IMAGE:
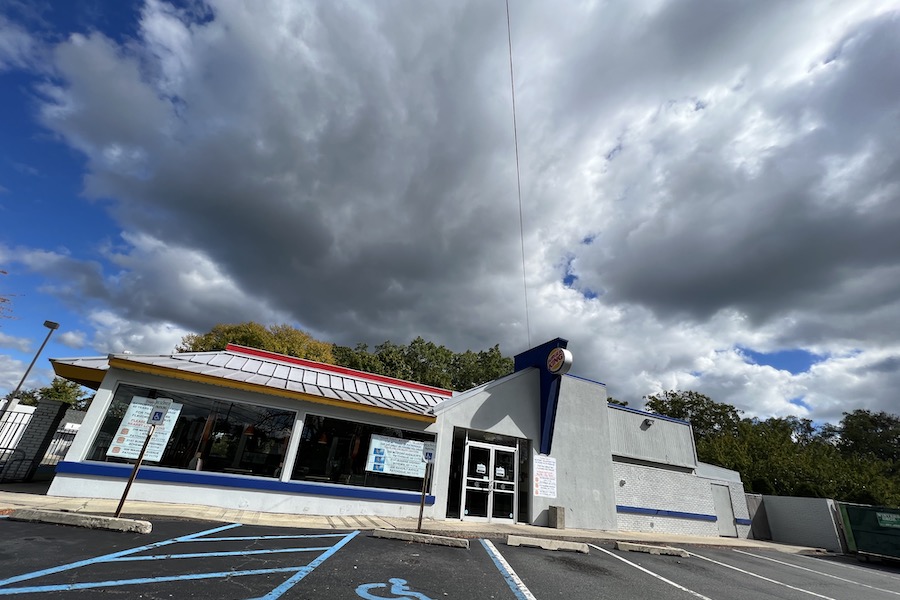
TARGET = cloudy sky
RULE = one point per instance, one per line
(710, 190)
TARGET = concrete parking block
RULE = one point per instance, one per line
(421, 538)
(81, 520)
(649, 549)
(518, 540)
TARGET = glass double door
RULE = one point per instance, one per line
(489, 489)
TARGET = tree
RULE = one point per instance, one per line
(706, 416)
(611, 400)
(283, 339)
(865, 433)
(26, 397)
(421, 361)
(67, 392)
(427, 363)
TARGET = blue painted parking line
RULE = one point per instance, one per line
(91, 561)
(214, 554)
(515, 583)
(298, 571)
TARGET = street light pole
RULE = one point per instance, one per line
(14, 399)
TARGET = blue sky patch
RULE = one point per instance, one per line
(799, 401)
(794, 361)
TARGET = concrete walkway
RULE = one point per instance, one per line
(136, 509)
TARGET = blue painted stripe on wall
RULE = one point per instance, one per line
(664, 513)
(743, 521)
(229, 481)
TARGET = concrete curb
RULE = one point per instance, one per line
(421, 538)
(658, 550)
(81, 520)
(531, 542)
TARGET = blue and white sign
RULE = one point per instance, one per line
(395, 456)
(129, 437)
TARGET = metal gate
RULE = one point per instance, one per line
(12, 426)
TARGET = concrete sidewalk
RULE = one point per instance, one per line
(137, 509)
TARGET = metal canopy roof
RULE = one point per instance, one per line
(267, 372)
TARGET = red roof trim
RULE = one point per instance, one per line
(336, 369)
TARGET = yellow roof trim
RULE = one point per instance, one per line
(86, 376)
(128, 365)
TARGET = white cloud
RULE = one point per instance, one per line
(350, 169)
(15, 343)
(17, 47)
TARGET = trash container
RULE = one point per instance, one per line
(557, 517)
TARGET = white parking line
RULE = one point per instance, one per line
(649, 572)
(787, 564)
(854, 567)
(758, 576)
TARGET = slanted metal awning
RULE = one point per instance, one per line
(264, 372)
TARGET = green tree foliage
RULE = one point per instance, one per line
(67, 392)
(707, 417)
(26, 397)
(283, 339)
(865, 433)
(855, 461)
(421, 361)
(427, 363)
(611, 400)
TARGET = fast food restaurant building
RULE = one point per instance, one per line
(250, 429)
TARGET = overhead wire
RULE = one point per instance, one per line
(512, 86)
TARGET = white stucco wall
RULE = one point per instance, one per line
(581, 447)
(511, 406)
(503, 406)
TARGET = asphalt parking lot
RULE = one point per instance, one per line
(188, 559)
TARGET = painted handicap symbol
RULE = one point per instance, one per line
(399, 589)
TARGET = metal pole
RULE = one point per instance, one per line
(424, 489)
(137, 465)
(14, 399)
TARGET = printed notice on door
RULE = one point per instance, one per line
(129, 437)
(393, 456)
(544, 477)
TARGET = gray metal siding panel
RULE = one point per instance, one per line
(664, 441)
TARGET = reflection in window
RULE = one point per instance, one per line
(209, 435)
(336, 451)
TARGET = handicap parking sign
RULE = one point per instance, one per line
(158, 411)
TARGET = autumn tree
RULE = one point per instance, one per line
(283, 339)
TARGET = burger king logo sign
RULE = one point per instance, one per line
(559, 361)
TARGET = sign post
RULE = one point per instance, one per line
(157, 416)
(428, 459)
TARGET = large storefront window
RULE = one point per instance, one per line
(333, 450)
(207, 434)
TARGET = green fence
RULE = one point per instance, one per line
(872, 530)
